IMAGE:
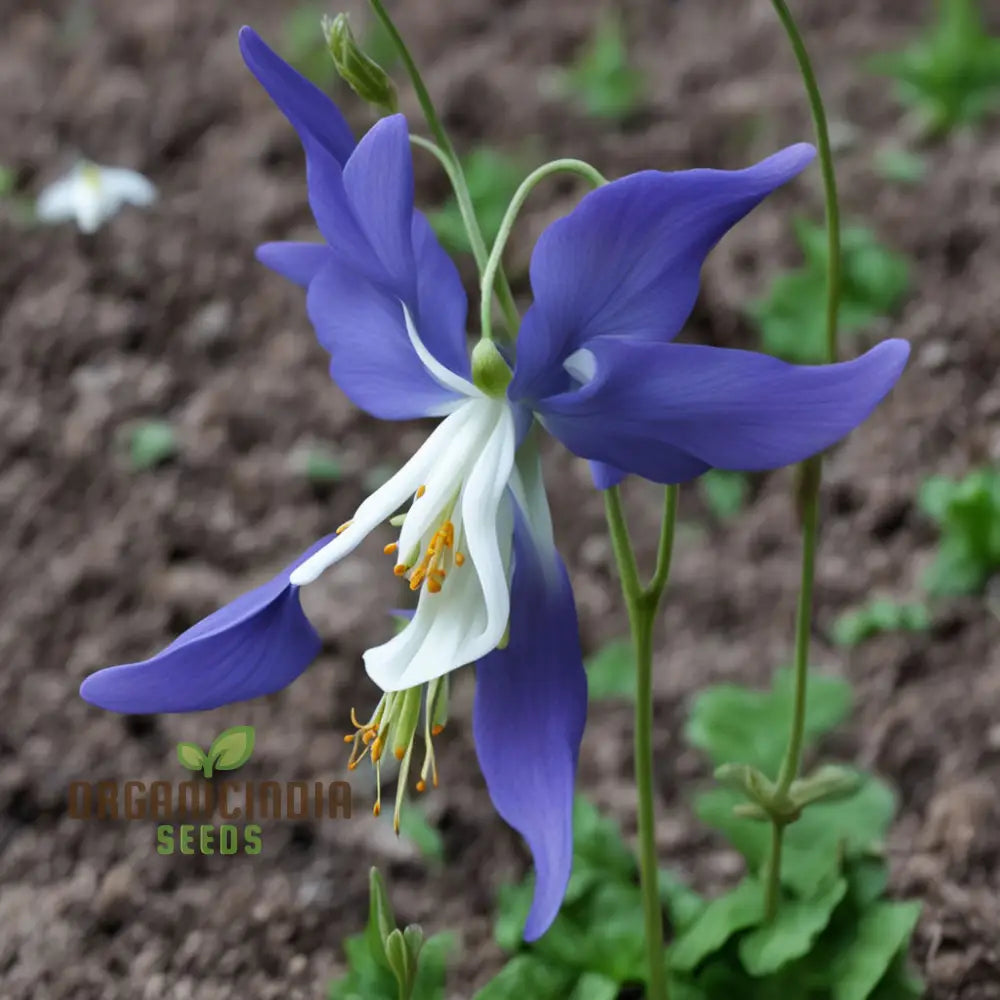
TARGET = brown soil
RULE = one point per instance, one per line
(166, 314)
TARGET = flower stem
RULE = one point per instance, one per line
(810, 472)
(457, 175)
(642, 604)
(494, 263)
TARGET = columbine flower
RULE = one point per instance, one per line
(613, 283)
(91, 194)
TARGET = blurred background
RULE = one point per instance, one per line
(170, 438)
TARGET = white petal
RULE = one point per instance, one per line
(122, 186)
(444, 375)
(386, 498)
(582, 365)
(57, 202)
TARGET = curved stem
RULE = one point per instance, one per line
(457, 176)
(493, 264)
(810, 472)
(642, 604)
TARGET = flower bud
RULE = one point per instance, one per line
(361, 73)
(490, 372)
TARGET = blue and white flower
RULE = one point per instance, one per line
(595, 365)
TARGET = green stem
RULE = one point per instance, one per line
(810, 472)
(494, 263)
(642, 604)
(502, 287)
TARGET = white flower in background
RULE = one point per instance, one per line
(91, 194)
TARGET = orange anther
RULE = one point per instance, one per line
(399, 569)
(400, 753)
(437, 729)
(459, 558)
(367, 736)
(434, 585)
(377, 808)
(421, 785)
(349, 739)
(390, 548)
(345, 526)
(421, 490)
(417, 578)
(377, 750)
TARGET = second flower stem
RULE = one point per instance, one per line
(642, 604)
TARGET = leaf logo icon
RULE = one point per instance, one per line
(229, 750)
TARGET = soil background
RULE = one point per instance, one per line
(166, 314)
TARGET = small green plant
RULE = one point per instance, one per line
(879, 615)
(724, 492)
(151, 443)
(950, 76)
(229, 750)
(385, 963)
(602, 79)
(493, 177)
(609, 673)
(968, 514)
(900, 166)
(873, 283)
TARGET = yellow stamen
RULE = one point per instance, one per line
(437, 730)
(377, 808)
(421, 490)
(433, 586)
(399, 569)
(349, 738)
(345, 526)
(390, 548)
(400, 753)
(421, 785)
(459, 558)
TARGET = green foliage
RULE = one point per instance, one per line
(790, 317)
(304, 44)
(834, 937)
(901, 166)
(8, 181)
(417, 828)
(950, 76)
(879, 615)
(611, 672)
(724, 492)
(384, 963)
(493, 178)
(151, 443)
(734, 723)
(968, 514)
(601, 79)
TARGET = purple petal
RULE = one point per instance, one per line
(627, 260)
(308, 109)
(530, 710)
(441, 301)
(605, 476)
(361, 324)
(255, 645)
(378, 180)
(298, 262)
(669, 411)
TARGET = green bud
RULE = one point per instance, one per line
(361, 73)
(825, 783)
(490, 372)
(403, 966)
(380, 912)
(746, 779)
(413, 938)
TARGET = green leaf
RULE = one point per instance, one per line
(8, 181)
(901, 166)
(734, 724)
(791, 934)
(493, 177)
(725, 492)
(816, 844)
(529, 976)
(151, 443)
(191, 756)
(232, 748)
(968, 514)
(611, 671)
(683, 905)
(414, 826)
(718, 922)
(879, 615)
(950, 75)
(882, 933)
(432, 967)
(873, 283)
(594, 986)
(602, 79)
